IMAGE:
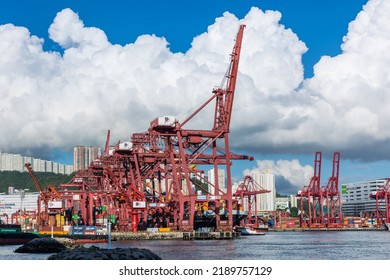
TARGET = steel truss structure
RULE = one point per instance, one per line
(382, 199)
(322, 199)
(155, 179)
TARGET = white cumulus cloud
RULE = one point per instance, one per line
(55, 100)
(291, 176)
(69, 32)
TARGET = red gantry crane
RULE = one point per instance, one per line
(313, 195)
(382, 199)
(151, 179)
(50, 197)
(319, 198)
(331, 195)
(246, 194)
(188, 147)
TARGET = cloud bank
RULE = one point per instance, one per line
(290, 176)
(52, 100)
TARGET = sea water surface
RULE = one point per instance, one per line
(335, 245)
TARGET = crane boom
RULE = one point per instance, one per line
(46, 194)
(225, 97)
(107, 146)
(34, 178)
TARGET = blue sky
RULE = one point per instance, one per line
(321, 25)
(303, 101)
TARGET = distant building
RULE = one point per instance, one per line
(38, 165)
(68, 169)
(282, 203)
(265, 201)
(355, 197)
(83, 156)
(16, 162)
(221, 180)
(49, 166)
(15, 201)
(78, 158)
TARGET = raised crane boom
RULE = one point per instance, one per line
(34, 178)
(225, 96)
(107, 146)
(48, 194)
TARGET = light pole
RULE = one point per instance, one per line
(22, 196)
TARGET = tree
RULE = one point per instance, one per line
(22, 180)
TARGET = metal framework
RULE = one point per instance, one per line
(313, 194)
(154, 179)
(332, 197)
(382, 198)
(246, 194)
(47, 196)
(318, 197)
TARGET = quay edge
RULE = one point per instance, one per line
(179, 235)
(325, 229)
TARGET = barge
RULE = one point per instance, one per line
(13, 235)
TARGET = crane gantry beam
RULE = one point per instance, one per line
(152, 177)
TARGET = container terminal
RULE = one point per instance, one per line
(153, 186)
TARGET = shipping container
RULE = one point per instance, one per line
(77, 230)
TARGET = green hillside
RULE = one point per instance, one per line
(23, 180)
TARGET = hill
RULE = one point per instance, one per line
(23, 180)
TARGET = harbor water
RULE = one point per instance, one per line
(337, 245)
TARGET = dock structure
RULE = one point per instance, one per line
(209, 235)
(179, 235)
(326, 229)
(154, 179)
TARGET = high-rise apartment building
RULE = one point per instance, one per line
(78, 158)
(83, 156)
(220, 177)
(39, 165)
(16, 162)
(265, 179)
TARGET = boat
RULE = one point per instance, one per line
(261, 228)
(11, 234)
(249, 231)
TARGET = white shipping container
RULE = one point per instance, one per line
(54, 204)
(167, 121)
(139, 204)
(125, 146)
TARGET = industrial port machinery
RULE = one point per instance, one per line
(382, 201)
(324, 207)
(157, 178)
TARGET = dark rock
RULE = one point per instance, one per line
(67, 249)
(47, 245)
(96, 253)
(68, 243)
